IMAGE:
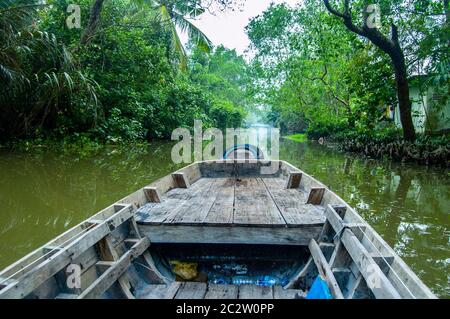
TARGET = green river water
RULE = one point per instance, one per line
(44, 193)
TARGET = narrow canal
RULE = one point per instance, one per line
(42, 194)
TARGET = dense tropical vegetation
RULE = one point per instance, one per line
(129, 78)
(331, 75)
(319, 68)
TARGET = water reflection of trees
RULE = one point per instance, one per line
(407, 204)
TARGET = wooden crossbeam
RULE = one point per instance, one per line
(338, 223)
(109, 254)
(340, 258)
(383, 261)
(364, 262)
(131, 241)
(325, 270)
(327, 230)
(355, 286)
(293, 180)
(334, 219)
(114, 271)
(380, 285)
(315, 195)
(102, 265)
(358, 229)
(152, 272)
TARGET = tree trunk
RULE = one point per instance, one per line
(393, 49)
(404, 103)
(401, 80)
(94, 19)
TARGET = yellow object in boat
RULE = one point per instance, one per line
(185, 270)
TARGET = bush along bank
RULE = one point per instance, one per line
(425, 150)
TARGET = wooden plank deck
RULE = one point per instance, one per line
(232, 210)
(197, 290)
(238, 201)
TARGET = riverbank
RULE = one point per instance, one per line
(297, 137)
(427, 150)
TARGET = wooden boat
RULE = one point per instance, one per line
(218, 229)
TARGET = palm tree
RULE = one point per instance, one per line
(172, 14)
(175, 14)
(15, 16)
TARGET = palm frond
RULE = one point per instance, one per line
(173, 14)
(37, 72)
(194, 33)
(166, 18)
(190, 8)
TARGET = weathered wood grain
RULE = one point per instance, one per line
(109, 253)
(368, 268)
(171, 203)
(291, 203)
(237, 206)
(222, 292)
(159, 291)
(222, 210)
(115, 271)
(281, 293)
(167, 233)
(255, 292)
(253, 204)
(49, 267)
(191, 290)
(181, 180)
(194, 210)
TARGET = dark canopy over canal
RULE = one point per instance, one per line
(43, 194)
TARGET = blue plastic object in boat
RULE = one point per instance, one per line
(319, 290)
